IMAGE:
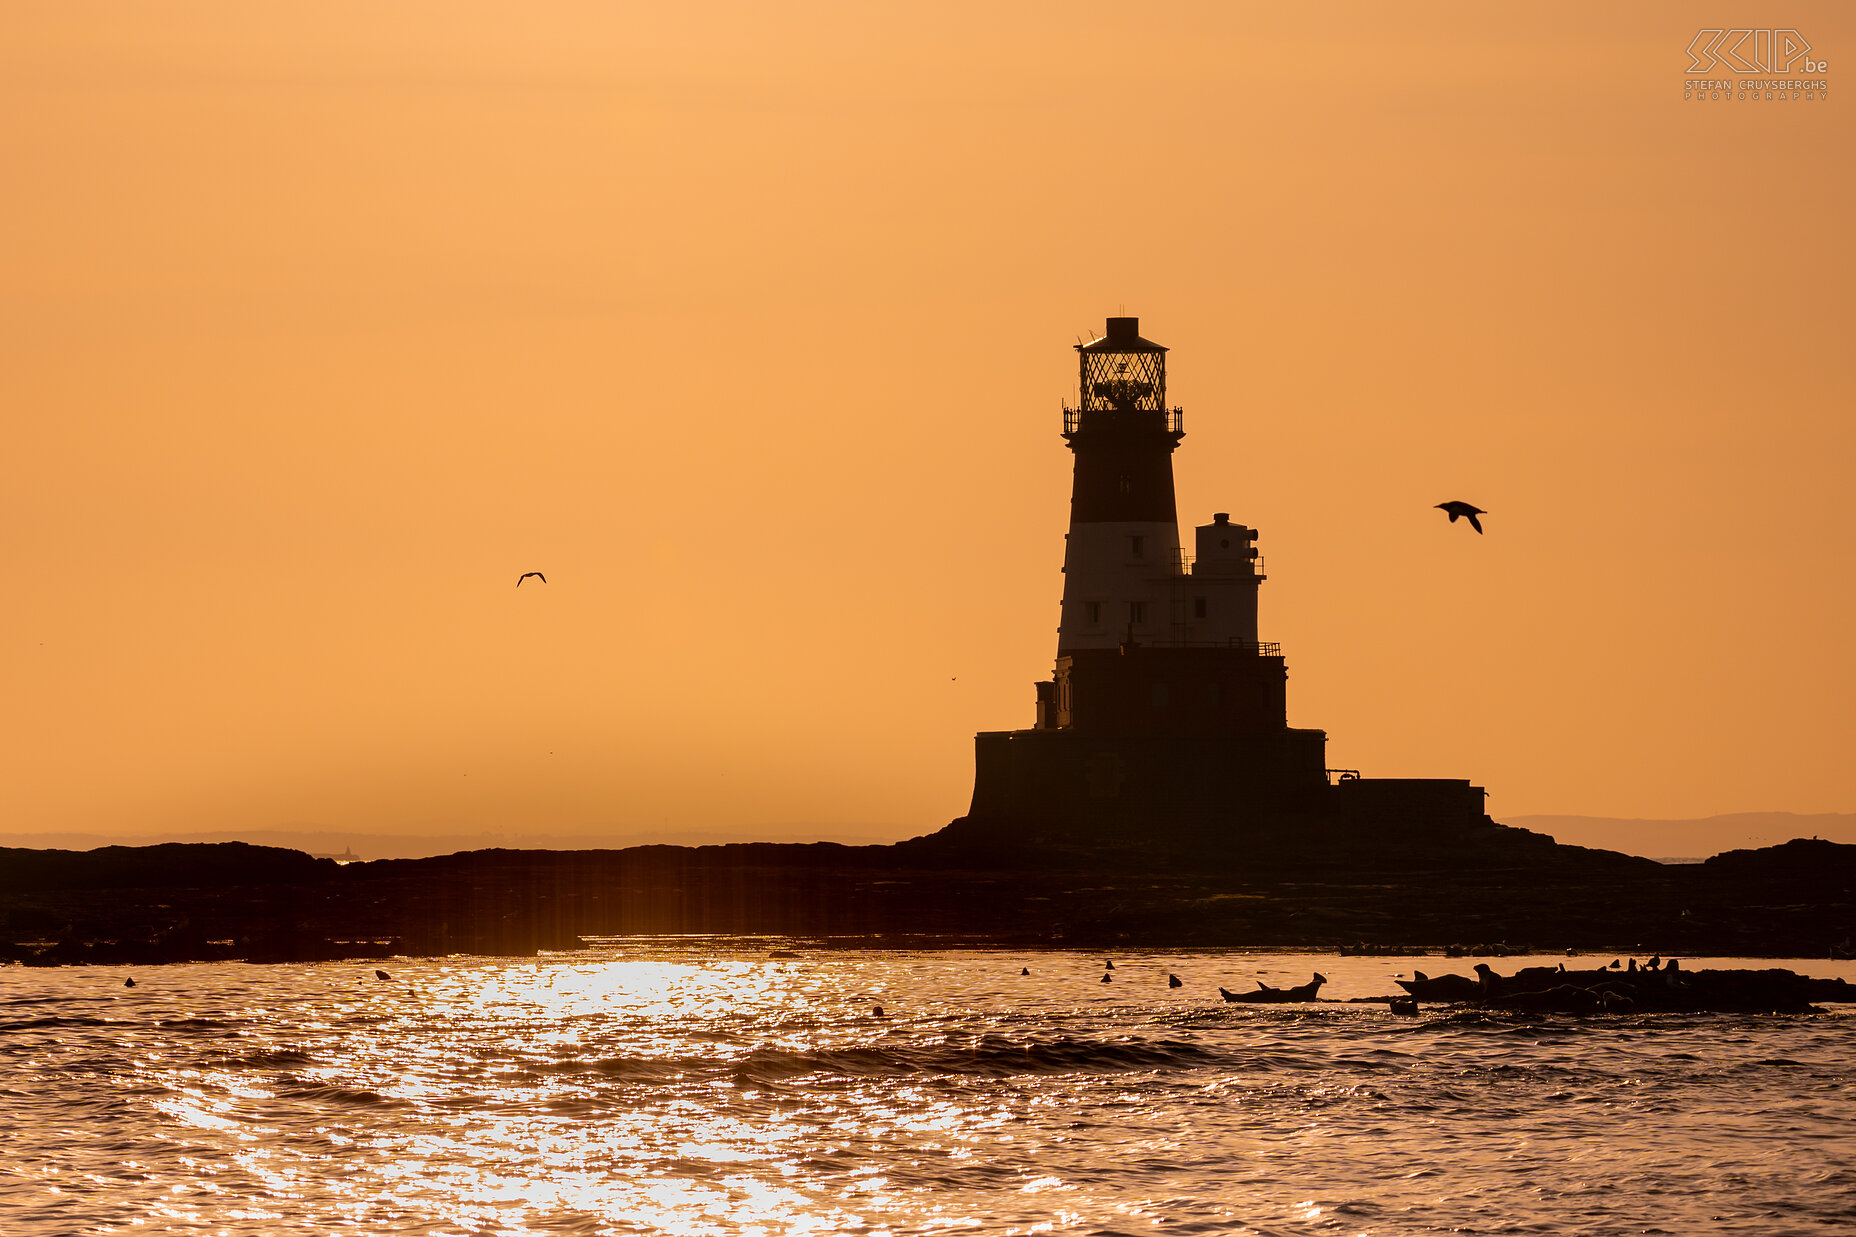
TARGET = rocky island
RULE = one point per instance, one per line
(1503, 890)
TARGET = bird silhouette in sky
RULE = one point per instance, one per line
(1458, 508)
(544, 579)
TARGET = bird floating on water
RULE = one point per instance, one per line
(128, 983)
(544, 579)
(1459, 509)
(1173, 981)
(379, 974)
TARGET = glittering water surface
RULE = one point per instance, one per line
(701, 1087)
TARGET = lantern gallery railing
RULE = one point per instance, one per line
(1173, 419)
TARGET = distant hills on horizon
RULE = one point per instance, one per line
(1653, 839)
(366, 845)
(1697, 838)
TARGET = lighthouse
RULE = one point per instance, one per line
(1165, 717)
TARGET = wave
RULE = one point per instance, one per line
(291, 1087)
(37, 1024)
(990, 1056)
(169, 1024)
(277, 1058)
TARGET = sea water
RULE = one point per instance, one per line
(702, 1086)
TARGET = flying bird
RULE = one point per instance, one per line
(1458, 508)
(544, 579)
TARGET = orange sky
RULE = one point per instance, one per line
(749, 325)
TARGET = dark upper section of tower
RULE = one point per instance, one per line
(1122, 432)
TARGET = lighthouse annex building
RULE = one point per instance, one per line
(1165, 715)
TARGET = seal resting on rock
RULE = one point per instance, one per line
(1266, 995)
(1441, 988)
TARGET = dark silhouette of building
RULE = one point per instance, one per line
(1166, 717)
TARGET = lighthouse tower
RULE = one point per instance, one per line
(1122, 550)
(1126, 580)
(1152, 639)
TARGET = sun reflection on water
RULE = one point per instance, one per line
(576, 1096)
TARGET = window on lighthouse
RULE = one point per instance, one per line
(1137, 612)
(1198, 607)
(1095, 610)
(1139, 544)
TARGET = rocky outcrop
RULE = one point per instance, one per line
(176, 865)
(1663, 988)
